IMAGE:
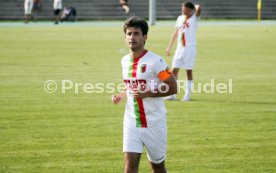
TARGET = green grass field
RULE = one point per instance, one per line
(214, 133)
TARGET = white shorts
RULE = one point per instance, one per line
(153, 138)
(28, 6)
(184, 57)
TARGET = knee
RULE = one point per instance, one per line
(158, 168)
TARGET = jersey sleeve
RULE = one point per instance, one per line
(162, 70)
(178, 22)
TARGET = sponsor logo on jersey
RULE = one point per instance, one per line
(140, 84)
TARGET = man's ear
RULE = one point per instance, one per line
(145, 37)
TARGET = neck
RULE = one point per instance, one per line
(137, 53)
(191, 14)
(188, 16)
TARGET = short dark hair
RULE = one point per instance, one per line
(189, 5)
(137, 23)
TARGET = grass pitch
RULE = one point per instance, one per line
(216, 133)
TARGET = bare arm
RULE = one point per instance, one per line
(198, 10)
(172, 40)
(170, 82)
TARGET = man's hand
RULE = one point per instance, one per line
(198, 10)
(139, 95)
(117, 98)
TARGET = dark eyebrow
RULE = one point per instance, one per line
(133, 32)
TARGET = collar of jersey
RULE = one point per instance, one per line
(140, 56)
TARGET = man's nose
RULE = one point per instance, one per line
(131, 36)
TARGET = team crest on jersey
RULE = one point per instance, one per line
(143, 68)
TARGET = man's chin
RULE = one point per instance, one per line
(133, 48)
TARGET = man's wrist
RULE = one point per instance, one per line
(148, 93)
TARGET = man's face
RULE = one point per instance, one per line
(134, 38)
(186, 11)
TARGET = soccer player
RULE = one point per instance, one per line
(148, 79)
(57, 5)
(184, 57)
(28, 7)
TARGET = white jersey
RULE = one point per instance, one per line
(187, 28)
(144, 72)
(57, 4)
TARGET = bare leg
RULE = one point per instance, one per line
(189, 74)
(158, 168)
(132, 162)
(58, 16)
(57, 19)
(175, 72)
(26, 18)
(33, 18)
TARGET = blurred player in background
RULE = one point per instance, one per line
(37, 5)
(145, 114)
(28, 7)
(184, 57)
(124, 5)
(57, 10)
(68, 14)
